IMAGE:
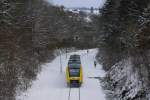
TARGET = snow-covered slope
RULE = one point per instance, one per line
(51, 84)
(124, 82)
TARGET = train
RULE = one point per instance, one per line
(74, 73)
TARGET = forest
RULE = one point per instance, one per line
(124, 36)
(30, 31)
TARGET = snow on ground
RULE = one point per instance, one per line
(51, 84)
(126, 81)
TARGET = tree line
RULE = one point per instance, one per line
(30, 30)
(124, 32)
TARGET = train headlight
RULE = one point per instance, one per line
(74, 78)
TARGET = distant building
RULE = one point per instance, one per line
(91, 10)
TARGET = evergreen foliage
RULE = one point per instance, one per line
(124, 31)
(29, 32)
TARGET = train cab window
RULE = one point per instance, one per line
(74, 61)
(76, 65)
(74, 72)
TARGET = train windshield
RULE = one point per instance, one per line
(74, 72)
(76, 65)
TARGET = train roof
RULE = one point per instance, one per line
(75, 61)
(75, 56)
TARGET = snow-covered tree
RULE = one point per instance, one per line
(124, 31)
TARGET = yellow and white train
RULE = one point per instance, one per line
(74, 74)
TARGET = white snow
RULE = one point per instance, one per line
(88, 19)
(51, 84)
(127, 80)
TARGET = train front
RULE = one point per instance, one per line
(74, 74)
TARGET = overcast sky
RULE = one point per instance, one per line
(79, 3)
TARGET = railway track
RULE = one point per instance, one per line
(74, 94)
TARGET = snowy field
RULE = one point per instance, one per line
(51, 84)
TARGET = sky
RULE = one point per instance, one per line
(79, 3)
